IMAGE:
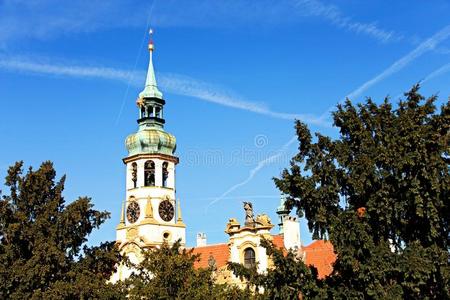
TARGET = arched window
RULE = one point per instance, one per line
(143, 112)
(134, 174)
(249, 257)
(165, 174)
(149, 173)
(157, 112)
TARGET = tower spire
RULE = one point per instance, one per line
(151, 88)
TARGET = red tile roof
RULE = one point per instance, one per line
(220, 253)
(278, 241)
(321, 255)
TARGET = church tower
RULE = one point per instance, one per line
(150, 214)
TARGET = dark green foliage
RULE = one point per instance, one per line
(168, 273)
(289, 279)
(380, 193)
(41, 241)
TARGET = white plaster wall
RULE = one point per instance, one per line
(234, 254)
(171, 178)
(291, 227)
(158, 172)
(262, 259)
(154, 233)
(121, 235)
(240, 241)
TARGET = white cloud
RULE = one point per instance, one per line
(424, 47)
(172, 83)
(44, 19)
(334, 15)
(26, 65)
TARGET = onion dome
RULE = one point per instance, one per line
(151, 141)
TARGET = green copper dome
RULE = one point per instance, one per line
(151, 141)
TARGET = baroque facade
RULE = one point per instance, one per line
(151, 215)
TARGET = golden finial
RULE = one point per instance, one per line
(150, 43)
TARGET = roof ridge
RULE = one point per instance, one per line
(210, 245)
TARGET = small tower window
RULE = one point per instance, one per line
(151, 112)
(134, 174)
(165, 174)
(149, 173)
(157, 112)
(142, 112)
(249, 258)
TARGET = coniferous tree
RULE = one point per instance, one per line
(42, 241)
(168, 272)
(380, 193)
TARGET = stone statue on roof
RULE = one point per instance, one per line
(249, 216)
(212, 262)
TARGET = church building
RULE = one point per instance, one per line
(151, 215)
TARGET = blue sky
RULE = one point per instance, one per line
(234, 74)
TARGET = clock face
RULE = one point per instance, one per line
(133, 212)
(166, 210)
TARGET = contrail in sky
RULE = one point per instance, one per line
(442, 70)
(427, 45)
(424, 47)
(255, 171)
(438, 72)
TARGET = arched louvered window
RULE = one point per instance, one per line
(165, 174)
(149, 173)
(134, 174)
(249, 257)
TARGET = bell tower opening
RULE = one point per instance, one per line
(149, 173)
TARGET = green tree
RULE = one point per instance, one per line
(290, 278)
(380, 193)
(42, 251)
(168, 272)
